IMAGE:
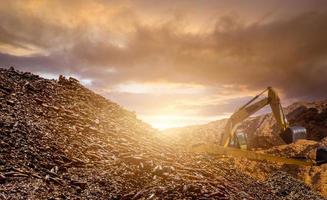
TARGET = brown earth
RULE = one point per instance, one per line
(263, 136)
(59, 140)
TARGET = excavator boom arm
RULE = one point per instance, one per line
(237, 118)
(250, 108)
(277, 109)
(233, 138)
(288, 134)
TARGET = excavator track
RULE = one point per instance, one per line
(234, 152)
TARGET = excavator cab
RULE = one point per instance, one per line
(239, 141)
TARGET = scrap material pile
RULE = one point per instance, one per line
(59, 140)
(263, 137)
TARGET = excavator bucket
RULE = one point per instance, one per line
(291, 134)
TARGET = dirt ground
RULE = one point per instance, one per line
(59, 140)
(262, 133)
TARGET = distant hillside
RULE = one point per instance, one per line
(262, 131)
(197, 133)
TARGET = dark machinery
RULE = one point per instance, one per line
(233, 141)
(232, 137)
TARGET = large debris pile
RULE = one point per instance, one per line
(263, 135)
(59, 140)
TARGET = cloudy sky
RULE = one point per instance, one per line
(173, 62)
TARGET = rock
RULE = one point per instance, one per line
(135, 160)
(11, 102)
(2, 178)
(79, 184)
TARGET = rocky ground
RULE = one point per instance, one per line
(262, 132)
(59, 140)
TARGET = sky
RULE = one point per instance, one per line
(174, 63)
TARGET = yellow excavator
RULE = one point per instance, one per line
(233, 142)
(232, 137)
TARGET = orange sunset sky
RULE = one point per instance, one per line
(174, 63)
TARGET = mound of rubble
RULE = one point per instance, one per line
(59, 140)
(263, 136)
(191, 135)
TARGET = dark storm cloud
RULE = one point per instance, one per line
(289, 53)
(21, 29)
